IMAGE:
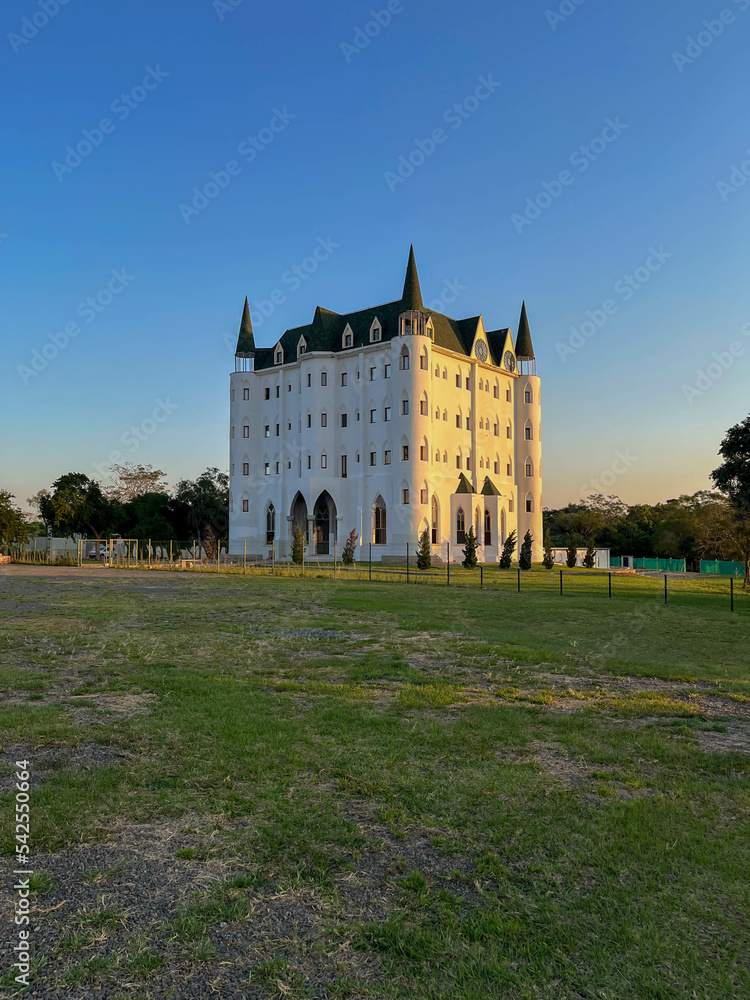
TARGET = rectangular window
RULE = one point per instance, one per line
(246, 394)
(309, 380)
(309, 420)
(376, 333)
(267, 431)
(373, 458)
(458, 461)
(343, 467)
(245, 468)
(279, 357)
(277, 468)
(387, 371)
(344, 419)
(528, 434)
(458, 381)
(324, 461)
(309, 461)
(289, 387)
(277, 430)
(509, 431)
(423, 496)
(468, 384)
(423, 407)
(245, 506)
(267, 393)
(507, 395)
(528, 468)
(468, 464)
(405, 453)
(404, 496)
(508, 469)
(423, 362)
(510, 504)
(372, 374)
(468, 423)
(387, 413)
(323, 419)
(246, 432)
(422, 453)
(497, 468)
(496, 392)
(458, 421)
(324, 378)
(527, 396)
(404, 407)
(277, 391)
(404, 363)
(343, 378)
(528, 506)
(497, 430)
(348, 340)
(289, 425)
(387, 458)
(267, 469)
(358, 374)
(373, 416)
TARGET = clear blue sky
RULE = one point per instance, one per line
(230, 72)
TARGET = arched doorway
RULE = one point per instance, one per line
(324, 516)
(435, 516)
(299, 516)
(379, 522)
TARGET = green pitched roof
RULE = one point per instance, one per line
(246, 339)
(325, 333)
(412, 295)
(524, 347)
(464, 486)
(489, 489)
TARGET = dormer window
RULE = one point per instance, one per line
(375, 331)
(347, 340)
(301, 346)
(279, 356)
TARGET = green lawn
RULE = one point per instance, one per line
(275, 787)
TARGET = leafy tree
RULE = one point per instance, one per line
(130, 481)
(725, 534)
(350, 549)
(571, 559)
(732, 477)
(509, 550)
(549, 560)
(524, 559)
(77, 506)
(37, 503)
(14, 528)
(589, 560)
(298, 546)
(150, 515)
(470, 552)
(202, 509)
(424, 552)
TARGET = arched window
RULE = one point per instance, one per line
(528, 433)
(528, 395)
(502, 527)
(477, 523)
(437, 371)
(529, 504)
(434, 520)
(487, 527)
(445, 414)
(460, 526)
(379, 522)
(424, 406)
(445, 373)
(529, 468)
(403, 361)
(270, 524)
(423, 361)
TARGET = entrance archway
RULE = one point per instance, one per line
(299, 516)
(324, 516)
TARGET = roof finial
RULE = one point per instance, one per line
(246, 339)
(524, 347)
(412, 297)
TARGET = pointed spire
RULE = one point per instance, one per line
(412, 297)
(524, 347)
(246, 339)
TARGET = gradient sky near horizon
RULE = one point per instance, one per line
(344, 114)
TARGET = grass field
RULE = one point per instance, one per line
(275, 787)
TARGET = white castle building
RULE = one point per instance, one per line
(386, 421)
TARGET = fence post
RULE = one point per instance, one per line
(149, 553)
(170, 553)
(35, 549)
(665, 588)
(519, 579)
(370, 562)
(448, 563)
(610, 584)
(407, 562)
(335, 554)
(481, 577)
(273, 557)
(561, 583)
(244, 559)
(731, 592)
